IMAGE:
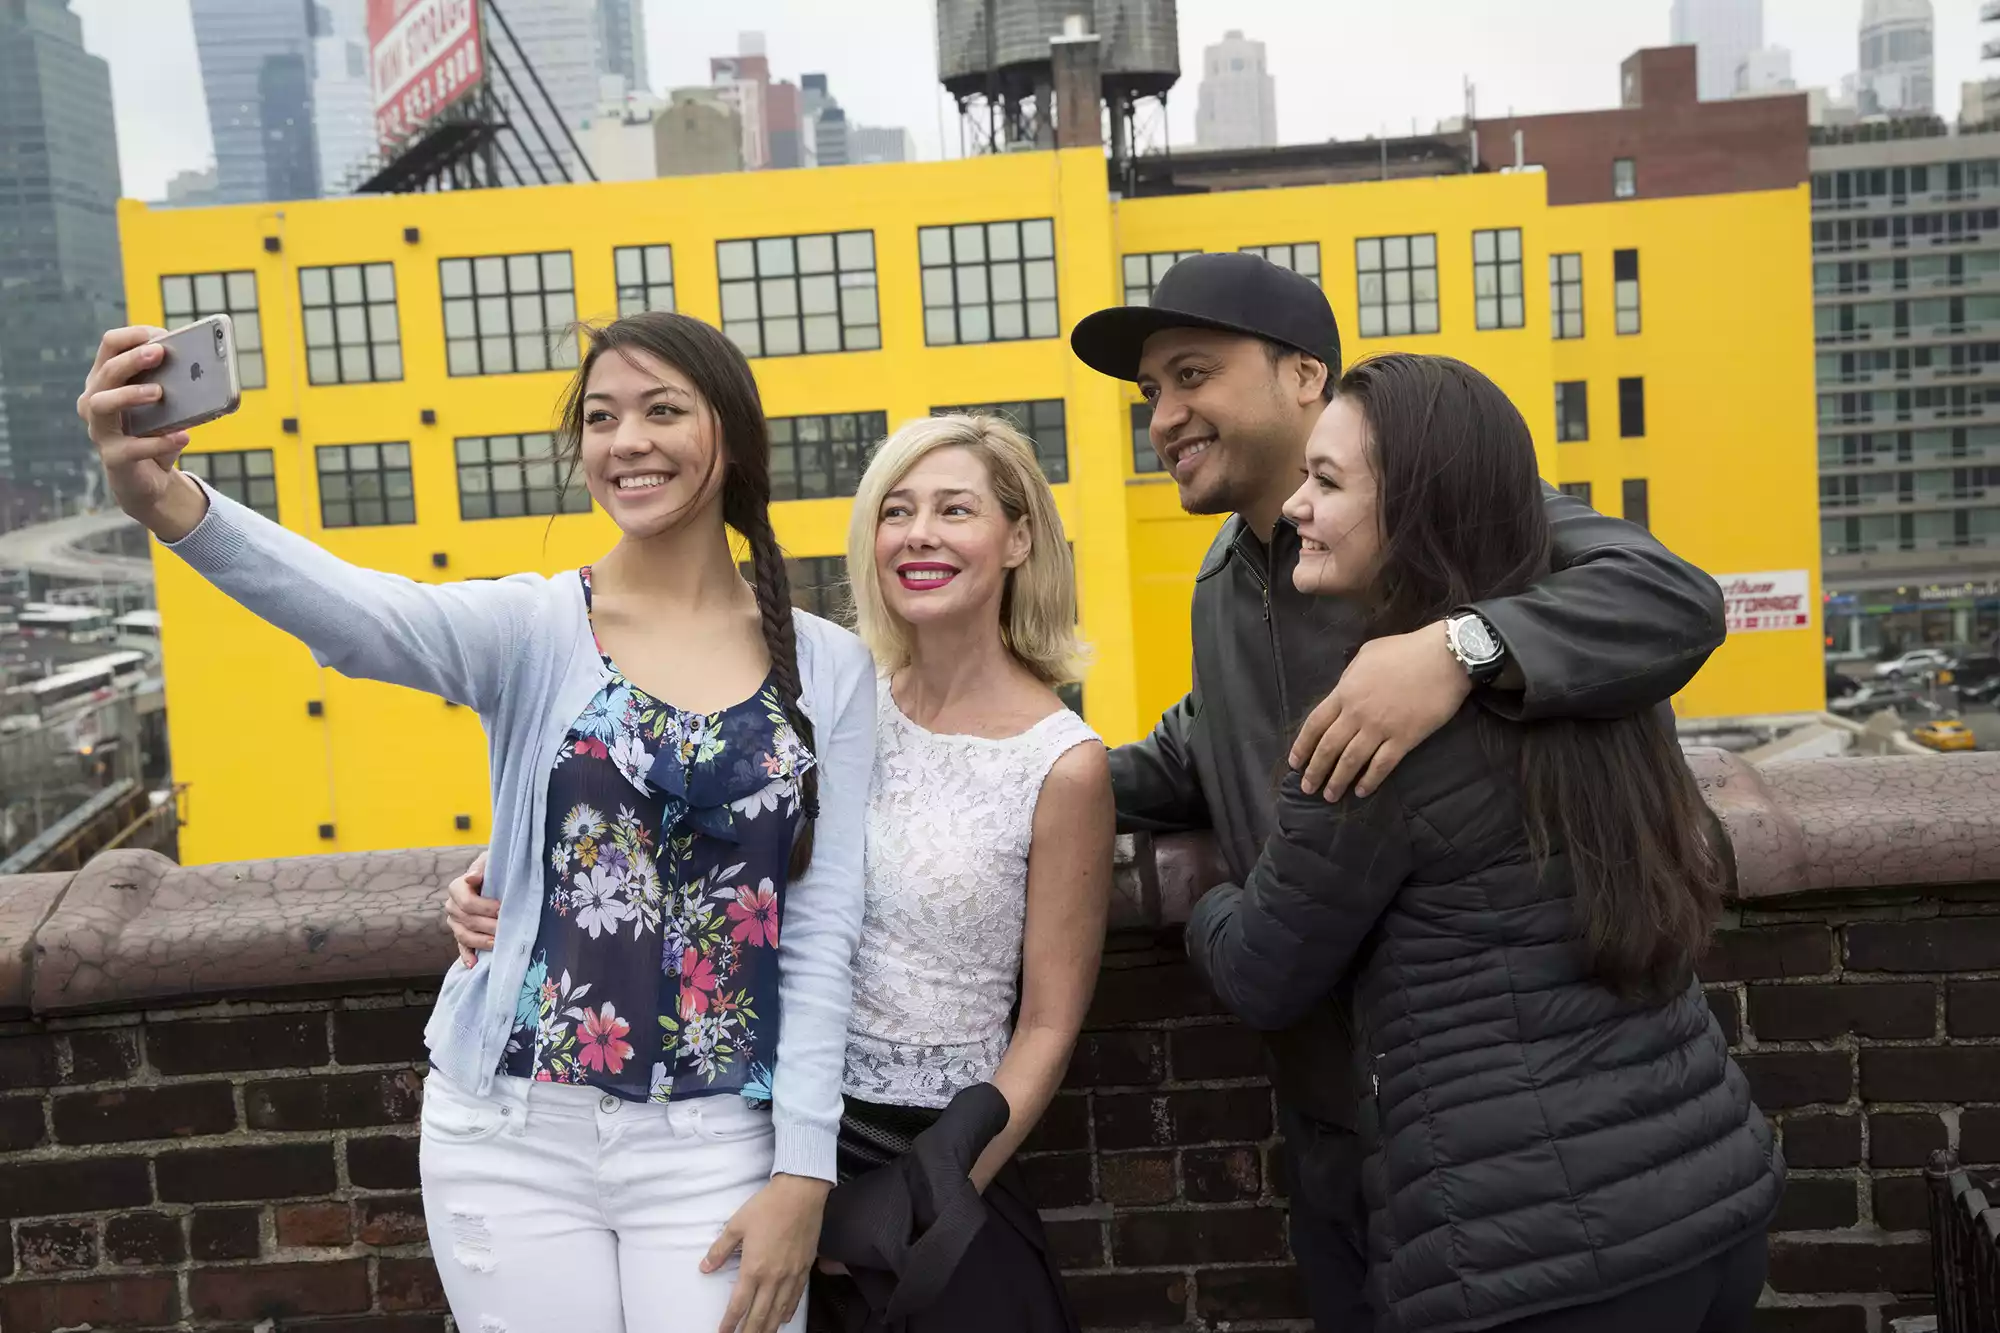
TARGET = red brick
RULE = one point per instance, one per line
(1757, 952)
(338, 1101)
(1064, 1127)
(380, 1036)
(27, 1062)
(1929, 1074)
(1902, 1203)
(395, 1220)
(1149, 993)
(118, 1115)
(102, 1055)
(1129, 1179)
(1979, 1135)
(271, 1171)
(144, 1240)
(409, 1284)
(1903, 1140)
(1222, 1175)
(1200, 1115)
(85, 1185)
(21, 1123)
(1074, 1243)
(1839, 1265)
(280, 1291)
(384, 1162)
(1129, 1300)
(1722, 1002)
(1972, 1009)
(220, 1046)
(1816, 1011)
(1216, 1051)
(1820, 1140)
(1211, 1235)
(1249, 1293)
(56, 1247)
(226, 1233)
(1116, 1059)
(1944, 944)
(1780, 1080)
(1817, 1204)
(111, 1302)
(1057, 1180)
(314, 1225)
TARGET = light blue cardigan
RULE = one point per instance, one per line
(519, 651)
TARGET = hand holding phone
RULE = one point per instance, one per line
(196, 373)
(139, 468)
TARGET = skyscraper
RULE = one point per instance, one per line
(621, 26)
(1238, 101)
(1898, 75)
(343, 101)
(256, 69)
(573, 44)
(61, 284)
(1724, 33)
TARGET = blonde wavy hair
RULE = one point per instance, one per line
(1038, 606)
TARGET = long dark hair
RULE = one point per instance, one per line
(722, 377)
(1463, 521)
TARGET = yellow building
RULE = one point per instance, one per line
(401, 389)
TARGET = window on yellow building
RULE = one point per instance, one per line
(819, 584)
(1632, 407)
(246, 476)
(1638, 504)
(989, 282)
(510, 476)
(1625, 289)
(795, 295)
(1301, 257)
(1498, 294)
(1144, 457)
(1579, 490)
(1566, 296)
(1396, 280)
(187, 297)
(645, 277)
(1143, 273)
(508, 314)
(1572, 411)
(365, 485)
(822, 457)
(1042, 421)
(350, 324)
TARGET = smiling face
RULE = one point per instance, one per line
(649, 450)
(1229, 417)
(1337, 507)
(943, 543)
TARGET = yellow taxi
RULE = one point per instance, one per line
(1944, 735)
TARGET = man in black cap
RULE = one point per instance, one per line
(1238, 357)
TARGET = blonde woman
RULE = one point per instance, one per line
(987, 862)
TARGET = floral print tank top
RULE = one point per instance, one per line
(654, 973)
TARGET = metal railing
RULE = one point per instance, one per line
(1965, 1248)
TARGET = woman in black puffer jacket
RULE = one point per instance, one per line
(1559, 1139)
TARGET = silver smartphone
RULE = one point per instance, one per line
(197, 376)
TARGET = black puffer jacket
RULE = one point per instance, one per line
(1535, 1141)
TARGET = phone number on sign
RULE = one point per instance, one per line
(423, 99)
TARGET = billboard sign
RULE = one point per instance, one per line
(423, 56)
(1780, 599)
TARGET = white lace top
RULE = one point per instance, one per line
(949, 823)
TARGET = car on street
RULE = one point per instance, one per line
(1944, 734)
(1916, 662)
(1872, 698)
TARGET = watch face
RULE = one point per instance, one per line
(1476, 641)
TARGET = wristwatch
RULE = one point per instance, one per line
(1475, 645)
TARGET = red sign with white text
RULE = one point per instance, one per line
(1777, 600)
(423, 55)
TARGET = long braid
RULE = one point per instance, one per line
(774, 605)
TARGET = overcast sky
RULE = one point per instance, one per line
(1344, 68)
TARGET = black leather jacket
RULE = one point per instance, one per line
(1620, 624)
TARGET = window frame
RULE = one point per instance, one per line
(382, 470)
(1291, 257)
(1145, 458)
(648, 283)
(1622, 288)
(1383, 272)
(843, 473)
(371, 345)
(238, 487)
(786, 284)
(558, 352)
(1142, 293)
(1045, 454)
(1624, 178)
(246, 322)
(1566, 296)
(1496, 270)
(1577, 421)
(953, 269)
(1636, 488)
(563, 498)
(1632, 407)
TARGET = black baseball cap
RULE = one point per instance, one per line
(1236, 293)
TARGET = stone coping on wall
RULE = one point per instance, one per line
(132, 929)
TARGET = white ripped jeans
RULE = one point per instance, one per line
(555, 1208)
